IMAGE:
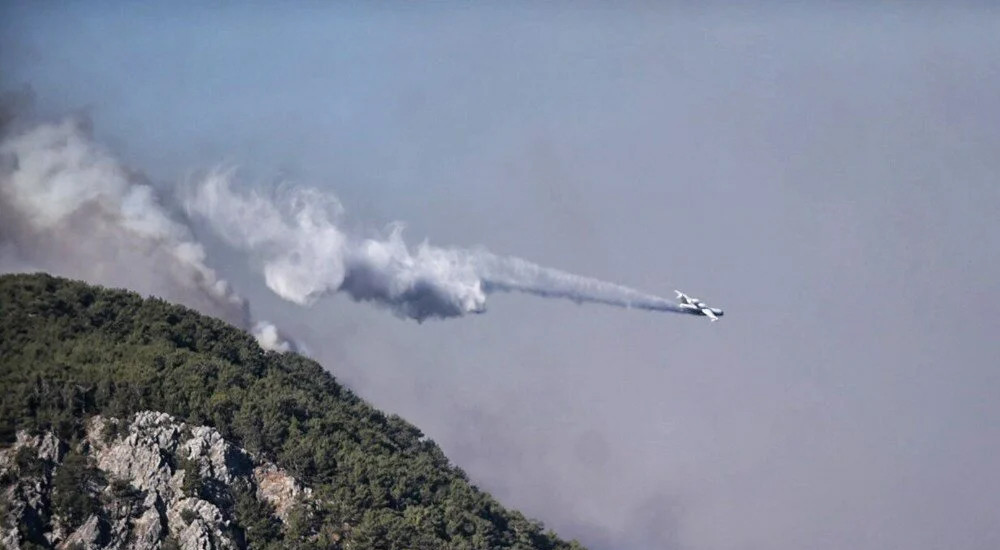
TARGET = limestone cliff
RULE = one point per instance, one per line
(151, 482)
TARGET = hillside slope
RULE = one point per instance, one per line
(70, 351)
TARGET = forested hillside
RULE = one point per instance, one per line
(70, 351)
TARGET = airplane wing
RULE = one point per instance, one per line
(708, 313)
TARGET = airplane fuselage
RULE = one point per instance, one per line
(695, 306)
(696, 310)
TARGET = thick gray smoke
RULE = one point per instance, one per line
(306, 255)
(70, 207)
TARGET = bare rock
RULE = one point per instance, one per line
(198, 525)
(217, 458)
(143, 456)
(278, 489)
(147, 531)
(26, 497)
(142, 499)
(93, 534)
(50, 448)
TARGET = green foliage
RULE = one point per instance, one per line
(188, 515)
(124, 497)
(257, 519)
(74, 486)
(193, 485)
(300, 525)
(69, 350)
(28, 463)
(111, 430)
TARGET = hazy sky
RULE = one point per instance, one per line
(829, 176)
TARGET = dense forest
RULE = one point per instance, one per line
(69, 351)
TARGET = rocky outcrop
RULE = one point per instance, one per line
(198, 525)
(151, 479)
(91, 535)
(279, 489)
(143, 457)
(25, 497)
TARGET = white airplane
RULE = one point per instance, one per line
(695, 306)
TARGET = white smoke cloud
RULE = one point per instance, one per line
(305, 255)
(270, 338)
(69, 206)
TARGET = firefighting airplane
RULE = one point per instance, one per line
(695, 306)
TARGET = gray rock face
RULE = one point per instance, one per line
(89, 536)
(25, 498)
(148, 529)
(159, 479)
(196, 524)
(143, 456)
(217, 459)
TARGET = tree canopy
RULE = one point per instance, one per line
(69, 350)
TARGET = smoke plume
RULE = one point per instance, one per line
(305, 255)
(70, 207)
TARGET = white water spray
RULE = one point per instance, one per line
(68, 206)
(305, 255)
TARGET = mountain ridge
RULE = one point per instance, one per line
(71, 351)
